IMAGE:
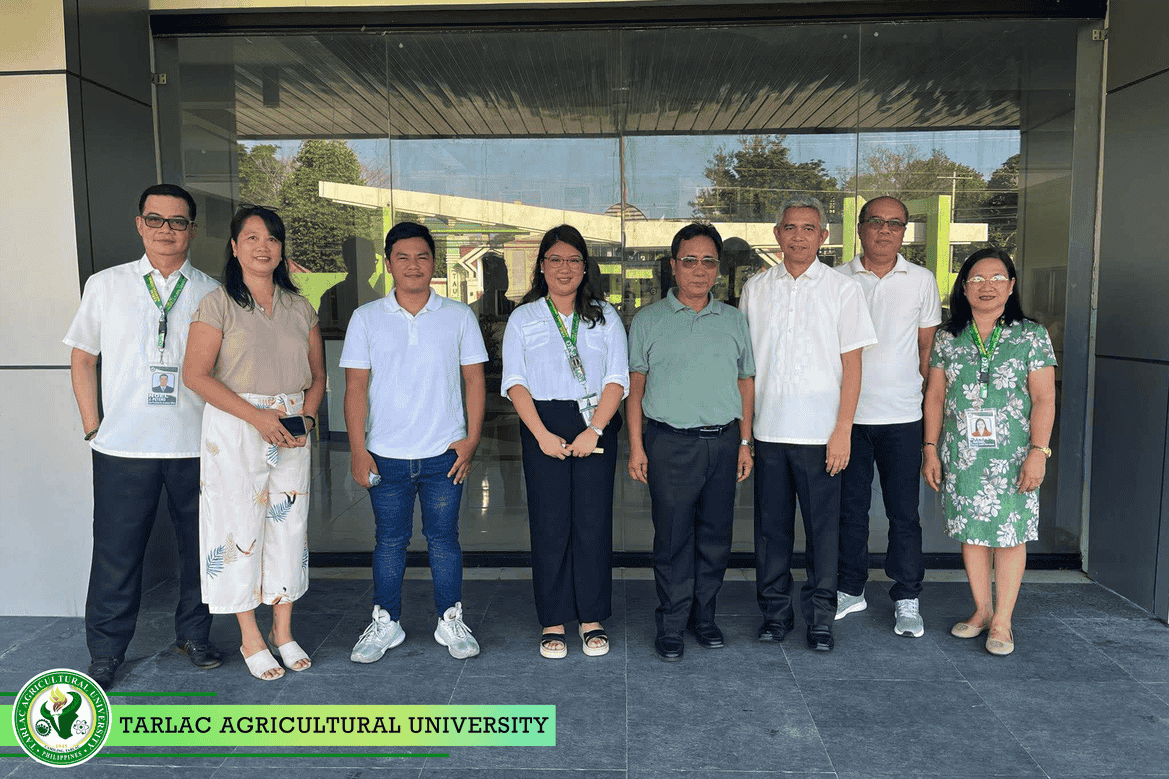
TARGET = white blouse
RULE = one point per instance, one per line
(534, 356)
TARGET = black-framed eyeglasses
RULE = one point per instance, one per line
(710, 263)
(177, 223)
(877, 223)
(255, 206)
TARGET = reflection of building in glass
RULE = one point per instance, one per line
(633, 278)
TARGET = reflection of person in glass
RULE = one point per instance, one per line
(255, 355)
(988, 333)
(980, 427)
(565, 369)
(163, 383)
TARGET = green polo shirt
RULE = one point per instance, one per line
(692, 361)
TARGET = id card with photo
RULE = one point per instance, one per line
(587, 406)
(981, 430)
(163, 389)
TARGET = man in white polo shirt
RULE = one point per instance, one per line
(906, 309)
(404, 358)
(136, 317)
(808, 326)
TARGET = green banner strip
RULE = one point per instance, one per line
(262, 754)
(163, 694)
(194, 725)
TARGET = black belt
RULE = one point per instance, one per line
(712, 431)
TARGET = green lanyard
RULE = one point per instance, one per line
(164, 309)
(987, 352)
(569, 342)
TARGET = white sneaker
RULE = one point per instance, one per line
(909, 621)
(454, 634)
(382, 634)
(846, 604)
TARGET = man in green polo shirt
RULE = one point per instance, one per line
(691, 400)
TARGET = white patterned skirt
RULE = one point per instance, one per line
(253, 511)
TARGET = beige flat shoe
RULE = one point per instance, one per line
(997, 646)
(967, 630)
(262, 663)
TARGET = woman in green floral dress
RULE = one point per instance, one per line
(989, 411)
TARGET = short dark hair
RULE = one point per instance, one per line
(588, 303)
(960, 313)
(403, 230)
(168, 190)
(697, 230)
(864, 214)
(233, 273)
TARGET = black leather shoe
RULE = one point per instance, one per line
(669, 647)
(202, 654)
(707, 634)
(773, 630)
(102, 670)
(820, 638)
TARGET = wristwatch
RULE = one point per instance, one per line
(744, 442)
(1045, 449)
(596, 430)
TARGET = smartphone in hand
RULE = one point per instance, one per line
(295, 426)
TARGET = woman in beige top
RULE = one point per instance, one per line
(254, 354)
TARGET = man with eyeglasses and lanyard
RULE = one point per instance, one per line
(691, 380)
(906, 309)
(136, 317)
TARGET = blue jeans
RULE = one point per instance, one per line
(896, 451)
(393, 511)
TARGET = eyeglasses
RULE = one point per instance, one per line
(710, 263)
(575, 261)
(997, 278)
(177, 223)
(877, 223)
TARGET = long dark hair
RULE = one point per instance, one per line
(233, 274)
(960, 313)
(588, 303)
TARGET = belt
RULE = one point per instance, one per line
(711, 431)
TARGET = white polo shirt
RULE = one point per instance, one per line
(903, 301)
(415, 363)
(534, 356)
(799, 328)
(119, 320)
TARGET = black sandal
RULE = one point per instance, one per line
(547, 640)
(592, 635)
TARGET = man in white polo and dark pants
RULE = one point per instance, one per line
(906, 309)
(136, 317)
(405, 359)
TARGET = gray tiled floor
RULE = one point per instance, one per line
(1086, 693)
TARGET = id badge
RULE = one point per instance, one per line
(587, 406)
(163, 389)
(981, 429)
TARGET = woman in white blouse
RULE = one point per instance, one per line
(566, 369)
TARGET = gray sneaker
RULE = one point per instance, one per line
(382, 634)
(846, 604)
(909, 621)
(454, 634)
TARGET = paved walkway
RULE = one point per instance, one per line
(1086, 693)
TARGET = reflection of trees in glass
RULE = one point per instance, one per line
(262, 175)
(908, 176)
(316, 226)
(1002, 206)
(748, 183)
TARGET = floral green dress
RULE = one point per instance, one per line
(980, 501)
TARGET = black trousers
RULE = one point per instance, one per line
(784, 472)
(896, 450)
(570, 516)
(125, 500)
(692, 486)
